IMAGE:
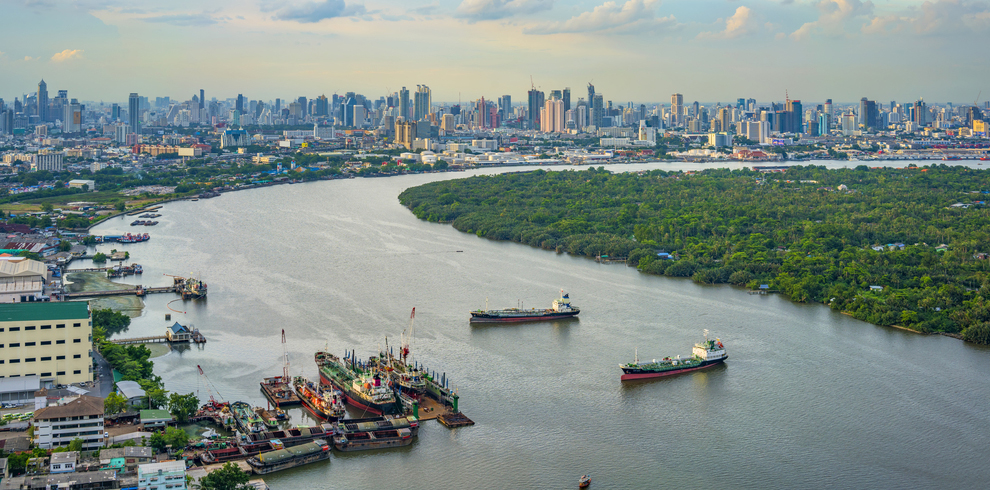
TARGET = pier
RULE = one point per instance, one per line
(137, 291)
(193, 337)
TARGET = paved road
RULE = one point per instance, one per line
(104, 378)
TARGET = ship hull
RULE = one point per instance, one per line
(634, 374)
(314, 410)
(481, 317)
(357, 401)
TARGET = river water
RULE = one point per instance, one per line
(809, 398)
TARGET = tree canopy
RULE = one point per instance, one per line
(902, 247)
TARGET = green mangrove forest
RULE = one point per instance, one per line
(905, 247)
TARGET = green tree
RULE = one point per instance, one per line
(64, 246)
(157, 398)
(177, 438)
(100, 257)
(112, 322)
(114, 403)
(47, 207)
(228, 477)
(76, 444)
(182, 406)
(158, 441)
(120, 206)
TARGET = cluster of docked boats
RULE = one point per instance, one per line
(143, 223)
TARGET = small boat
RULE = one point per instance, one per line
(584, 482)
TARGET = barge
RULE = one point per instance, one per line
(379, 439)
(283, 459)
(278, 391)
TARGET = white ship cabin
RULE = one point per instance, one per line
(562, 304)
(709, 350)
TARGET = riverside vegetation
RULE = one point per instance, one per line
(903, 247)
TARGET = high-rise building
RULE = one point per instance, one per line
(202, 99)
(597, 114)
(677, 109)
(591, 93)
(322, 106)
(42, 101)
(793, 117)
(404, 103)
(278, 105)
(567, 99)
(920, 113)
(422, 102)
(552, 119)
(239, 105)
(303, 106)
(533, 112)
(868, 114)
(134, 112)
(824, 123)
(405, 133)
(505, 106)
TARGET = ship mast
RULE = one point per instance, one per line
(404, 350)
(285, 360)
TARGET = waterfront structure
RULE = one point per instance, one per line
(134, 112)
(167, 475)
(58, 425)
(53, 340)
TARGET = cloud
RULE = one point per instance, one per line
(935, 18)
(499, 9)
(633, 16)
(741, 23)
(833, 15)
(311, 12)
(65, 55)
(182, 20)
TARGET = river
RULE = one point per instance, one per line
(809, 398)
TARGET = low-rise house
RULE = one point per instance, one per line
(167, 475)
(126, 459)
(64, 462)
(90, 480)
(155, 418)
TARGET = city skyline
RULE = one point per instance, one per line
(838, 49)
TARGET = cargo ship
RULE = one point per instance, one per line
(283, 459)
(363, 386)
(705, 354)
(375, 433)
(324, 403)
(561, 309)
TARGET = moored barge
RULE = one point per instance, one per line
(283, 459)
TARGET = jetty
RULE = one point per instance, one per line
(136, 291)
(175, 334)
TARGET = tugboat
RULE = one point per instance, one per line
(561, 309)
(705, 354)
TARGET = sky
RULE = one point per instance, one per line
(632, 50)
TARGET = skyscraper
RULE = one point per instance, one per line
(868, 115)
(567, 99)
(552, 119)
(42, 101)
(920, 113)
(597, 110)
(404, 103)
(304, 106)
(134, 112)
(239, 105)
(202, 99)
(677, 109)
(793, 117)
(533, 112)
(422, 102)
(322, 106)
(505, 106)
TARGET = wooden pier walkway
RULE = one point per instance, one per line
(195, 338)
(137, 291)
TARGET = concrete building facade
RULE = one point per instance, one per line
(53, 340)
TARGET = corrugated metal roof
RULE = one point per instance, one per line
(22, 268)
(23, 383)
(130, 389)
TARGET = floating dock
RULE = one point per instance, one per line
(279, 393)
(452, 420)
